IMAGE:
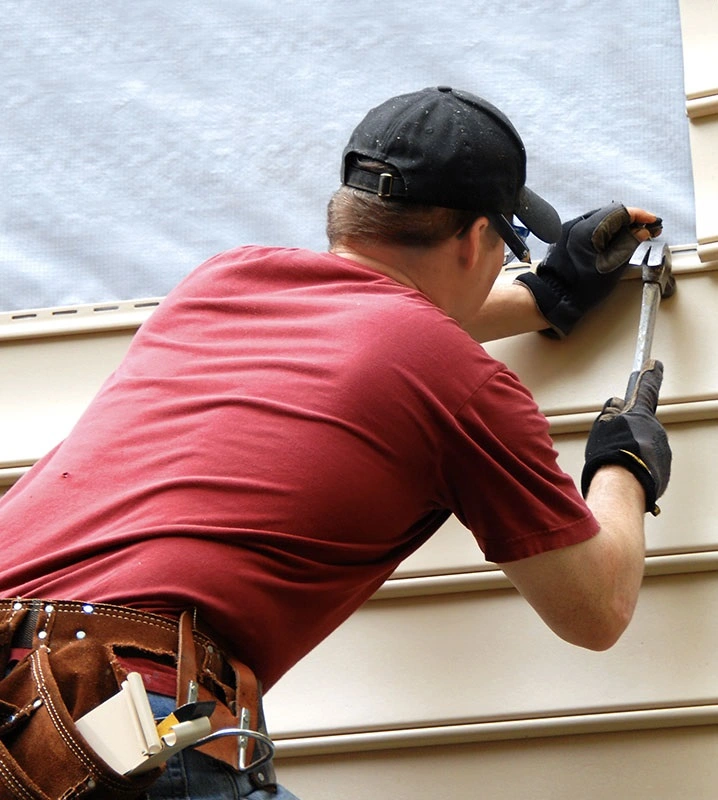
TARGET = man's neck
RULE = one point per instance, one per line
(382, 260)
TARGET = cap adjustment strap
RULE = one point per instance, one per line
(383, 184)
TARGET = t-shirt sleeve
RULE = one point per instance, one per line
(502, 478)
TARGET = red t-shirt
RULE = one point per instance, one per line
(284, 430)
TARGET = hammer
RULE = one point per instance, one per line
(658, 281)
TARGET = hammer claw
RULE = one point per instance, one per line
(656, 255)
(639, 254)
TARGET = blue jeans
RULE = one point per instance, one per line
(191, 775)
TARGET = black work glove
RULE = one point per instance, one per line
(628, 434)
(582, 268)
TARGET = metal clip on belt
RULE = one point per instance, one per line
(243, 734)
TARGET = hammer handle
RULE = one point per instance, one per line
(650, 300)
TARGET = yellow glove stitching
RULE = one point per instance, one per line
(639, 460)
(656, 510)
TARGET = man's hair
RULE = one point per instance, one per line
(355, 215)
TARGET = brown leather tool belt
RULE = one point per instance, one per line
(71, 659)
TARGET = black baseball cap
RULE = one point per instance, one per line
(449, 148)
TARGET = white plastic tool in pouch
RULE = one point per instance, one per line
(122, 730)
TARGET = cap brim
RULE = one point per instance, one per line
(540, 217)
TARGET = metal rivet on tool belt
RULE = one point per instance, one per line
(42, 635)
(91, 784)
(37, 703)
(80, 635)
(17, 606)
(88, 609)
(49, 608)
(260, 777)
(210, 649)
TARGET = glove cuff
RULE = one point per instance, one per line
(631, 462)
(556, 310)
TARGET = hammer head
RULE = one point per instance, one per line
(655, 262)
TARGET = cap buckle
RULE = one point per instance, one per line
(386, 181)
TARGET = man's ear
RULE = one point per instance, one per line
(473, 239)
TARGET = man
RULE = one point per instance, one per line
(289, 426)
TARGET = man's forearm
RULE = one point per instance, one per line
(509, 309)
(617, 500)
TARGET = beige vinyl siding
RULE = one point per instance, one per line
(699, 26)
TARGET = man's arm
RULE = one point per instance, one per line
(586, 593)
(509, 309)
(578, 272)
